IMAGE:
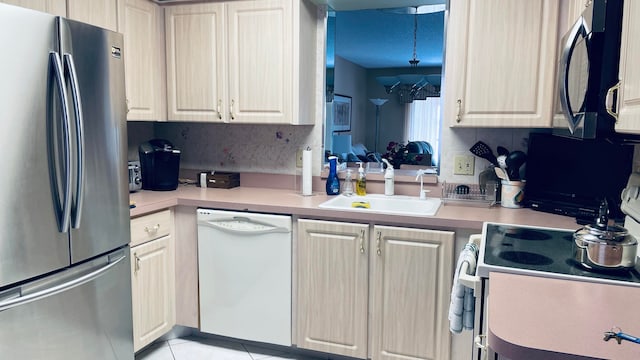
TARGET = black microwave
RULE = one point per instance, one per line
(588, 66)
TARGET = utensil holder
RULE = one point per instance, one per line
(512, 194)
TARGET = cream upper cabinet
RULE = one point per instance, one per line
(196, 51)
(260, 54)
(570, 11)
(242, 62)
(332, 302)
(142, 24)
(410, 290)
(102, 13)
(500, 63)
(55, 7)
(628, 101)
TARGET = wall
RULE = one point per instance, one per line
(350, 80)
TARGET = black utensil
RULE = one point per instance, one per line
(482, 150)
(502, 151)
(514, 161)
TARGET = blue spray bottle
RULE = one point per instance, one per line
(333, 184)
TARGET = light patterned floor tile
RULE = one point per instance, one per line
(205, 349)
(157, 351)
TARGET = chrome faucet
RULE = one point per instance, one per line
(420, 175)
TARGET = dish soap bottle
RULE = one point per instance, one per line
(361, 183)
(333, 184)
(347, 186)
(388, 179)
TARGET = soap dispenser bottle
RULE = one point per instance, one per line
(333, 184)
(347, 186)
(388, 178)
(361, 183)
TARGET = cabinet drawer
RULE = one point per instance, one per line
(150, 227)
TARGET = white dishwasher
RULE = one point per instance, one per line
(244, 263)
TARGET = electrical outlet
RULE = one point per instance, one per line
(463, 164)
(299, 158)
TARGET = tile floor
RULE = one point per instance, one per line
(200, 348)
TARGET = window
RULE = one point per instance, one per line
(422, 123)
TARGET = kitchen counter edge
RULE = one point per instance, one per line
(278, 201)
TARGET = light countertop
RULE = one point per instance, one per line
(280, 201)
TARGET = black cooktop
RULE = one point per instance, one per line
(542, 252)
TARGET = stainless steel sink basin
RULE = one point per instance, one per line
(376, 203)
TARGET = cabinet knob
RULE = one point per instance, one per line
(362, 241)
(378, 241)
(135, 255)
(458, 110)
(231, 111)
(152, 230)
(219, 109)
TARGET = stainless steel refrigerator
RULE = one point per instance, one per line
(65, 286)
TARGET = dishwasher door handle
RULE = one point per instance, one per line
(261, 227)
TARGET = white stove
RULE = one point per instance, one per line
(542, 252)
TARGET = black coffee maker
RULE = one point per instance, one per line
(160, 164)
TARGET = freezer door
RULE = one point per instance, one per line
(94, 68)
(30, 126)
(83, 312)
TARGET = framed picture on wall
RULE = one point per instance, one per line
(341, 113)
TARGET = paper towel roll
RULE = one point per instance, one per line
(307, 176)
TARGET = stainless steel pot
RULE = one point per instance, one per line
(611, 248)
(605, 247)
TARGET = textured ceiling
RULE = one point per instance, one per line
(377, 39)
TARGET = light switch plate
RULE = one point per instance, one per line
(463, 164)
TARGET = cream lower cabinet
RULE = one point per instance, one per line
(152, 277)
(142, 24)
(411, 272)
(501, 63)
(247, 61)
(380, 294)
(333, 287)
(628, 100)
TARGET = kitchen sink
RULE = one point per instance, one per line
(377, 203)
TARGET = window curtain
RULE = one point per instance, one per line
(422, 123)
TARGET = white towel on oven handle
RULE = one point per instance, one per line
(462, 306)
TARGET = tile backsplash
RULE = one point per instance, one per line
(237, 147)
(272, 148)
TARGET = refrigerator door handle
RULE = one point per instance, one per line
(25, 297)
(76, 210)
(63, 210)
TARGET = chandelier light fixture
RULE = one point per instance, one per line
(411, 86)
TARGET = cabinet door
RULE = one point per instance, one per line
(195, 39)
(260, 61)
(629, 74)
(332, 287)
(153, 290)
(102, 13)
(410, 290)
(500, 72)
(55, 7)
(142, 24)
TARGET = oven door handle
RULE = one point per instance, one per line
(471, 281)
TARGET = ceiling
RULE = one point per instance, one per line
(377, 39)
